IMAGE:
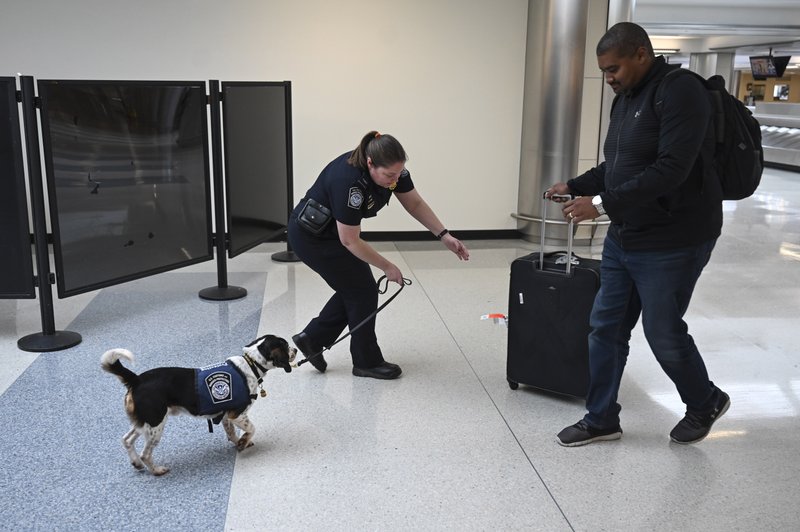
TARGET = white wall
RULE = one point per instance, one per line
(444, 76)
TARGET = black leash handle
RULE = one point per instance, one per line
(383, 290)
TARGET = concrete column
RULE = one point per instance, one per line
(554, 64)
(566, 104)
(710, 64)
(618, 11)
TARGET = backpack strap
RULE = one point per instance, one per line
(715, 88)
(717, 109)
(671, 75)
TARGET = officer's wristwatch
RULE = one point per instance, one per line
(597, 202)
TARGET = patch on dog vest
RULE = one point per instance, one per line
(220, 388)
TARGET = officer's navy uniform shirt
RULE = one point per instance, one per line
(350, 193)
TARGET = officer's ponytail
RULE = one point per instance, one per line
(384, 150)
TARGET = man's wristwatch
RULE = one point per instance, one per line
(597, 202)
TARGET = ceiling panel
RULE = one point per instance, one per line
(744, 27)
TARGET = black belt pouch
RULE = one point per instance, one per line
(314, 217)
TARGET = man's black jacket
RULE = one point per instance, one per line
(657, 182)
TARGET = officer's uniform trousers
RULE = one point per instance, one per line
(356, 295)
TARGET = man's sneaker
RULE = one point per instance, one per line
(580, 434)
(693, 427)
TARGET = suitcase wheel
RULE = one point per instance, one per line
(513, 385)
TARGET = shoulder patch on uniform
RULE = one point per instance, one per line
(404, 173)
(355, 198)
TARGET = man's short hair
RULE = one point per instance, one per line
(624, 38)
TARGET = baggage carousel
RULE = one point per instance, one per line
(780, 133)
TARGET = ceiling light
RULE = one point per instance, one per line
(666, 51)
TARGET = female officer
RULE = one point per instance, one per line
(325, 232)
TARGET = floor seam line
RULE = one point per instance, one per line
(494, 404)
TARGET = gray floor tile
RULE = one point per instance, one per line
(448, 445)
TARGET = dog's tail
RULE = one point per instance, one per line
(110, 363)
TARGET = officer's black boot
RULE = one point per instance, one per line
(384, 370)
(305, 345)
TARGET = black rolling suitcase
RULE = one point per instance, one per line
(548, 320)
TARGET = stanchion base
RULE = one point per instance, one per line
(223, 293)
(40, 342)
(285, 256)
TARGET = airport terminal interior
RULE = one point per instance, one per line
(495, 102)
(447, 446)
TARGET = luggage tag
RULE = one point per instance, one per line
(498, 319)
(575, 261)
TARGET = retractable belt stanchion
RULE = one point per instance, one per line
(49, 339)
(288, 255)
(221, 292)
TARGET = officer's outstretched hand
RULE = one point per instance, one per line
(456, 246)
(393, 274)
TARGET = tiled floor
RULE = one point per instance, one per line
(448, 446)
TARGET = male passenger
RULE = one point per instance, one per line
(658, 187)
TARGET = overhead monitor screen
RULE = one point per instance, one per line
(762, 67)
(781, 62)
(128, 179)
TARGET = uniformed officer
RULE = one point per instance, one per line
(325, 232)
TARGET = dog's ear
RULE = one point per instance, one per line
(277, 350)
(266, 345)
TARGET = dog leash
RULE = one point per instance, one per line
(251, 362)
(385, 289)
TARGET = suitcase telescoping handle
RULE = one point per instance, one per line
(569, 238)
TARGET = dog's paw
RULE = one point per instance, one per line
(243, 444)
(160, 470)
(138, 465)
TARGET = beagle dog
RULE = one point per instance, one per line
(222, 392)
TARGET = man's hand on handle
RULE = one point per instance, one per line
(577, 209)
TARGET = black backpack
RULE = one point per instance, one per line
(738, 156)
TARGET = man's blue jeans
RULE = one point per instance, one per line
(657, 285)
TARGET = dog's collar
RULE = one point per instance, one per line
(254, 367)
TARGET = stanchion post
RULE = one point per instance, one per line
(221, 292)
(288, 255)
(49, 339)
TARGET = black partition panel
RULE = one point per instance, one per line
(257, 144)
(16, 262)
(128, 179)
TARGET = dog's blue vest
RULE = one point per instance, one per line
(220, 388)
